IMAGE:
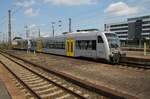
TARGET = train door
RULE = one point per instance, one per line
(70, 47)
(39, 46)
(100, 47)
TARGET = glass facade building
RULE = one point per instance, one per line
(135, 29)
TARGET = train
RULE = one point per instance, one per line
(90, 44)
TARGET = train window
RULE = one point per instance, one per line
(63, 44)
(89, 45)
(110, 35)
(93, 44)
(86, 44)
(100, 40)
(77, 44)
(55, 45)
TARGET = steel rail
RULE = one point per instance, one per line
(69, 91)
(92, 87)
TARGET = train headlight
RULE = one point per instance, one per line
(115, 51)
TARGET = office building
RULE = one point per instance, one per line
(133, 31)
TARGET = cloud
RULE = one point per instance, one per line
(32, 26)
(42, 25)
(45, 34)
(31, 12)
(121, 8)
(25, 3)
(71, 2)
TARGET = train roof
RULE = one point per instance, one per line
(77, 34)
(73, 34)
(87, 33)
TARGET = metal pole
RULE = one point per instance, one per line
(27, 34)
(39, 33)
(53, 29)
(70, 25)
(60, 25)
(9, 27)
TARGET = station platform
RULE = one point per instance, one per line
(137, 54)
(3, 91)
(134, 49)
(136, 57)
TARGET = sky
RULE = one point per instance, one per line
(85, 14)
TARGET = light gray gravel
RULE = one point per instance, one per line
(126, 79)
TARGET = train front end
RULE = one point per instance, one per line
(114, 47)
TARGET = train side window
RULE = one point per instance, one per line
(47, 44)
(93, 44)
(63, 45)
(90, 45)
(86, 44)
(100, 40)
(78, 46)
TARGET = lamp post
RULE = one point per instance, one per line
(70, 23)
(53, 28)
(56, 25)
(60, 26)
(39, 31)
(27, 31)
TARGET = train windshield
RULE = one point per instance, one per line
(113, 40)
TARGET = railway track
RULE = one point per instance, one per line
(135, 65)
(125, 62)
(37, 84)
(38, 77)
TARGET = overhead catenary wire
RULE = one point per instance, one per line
(14, 10)
(92, 16)
(4, 19)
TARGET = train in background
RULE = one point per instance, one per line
(83, 43)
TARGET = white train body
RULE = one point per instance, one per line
(92, 44)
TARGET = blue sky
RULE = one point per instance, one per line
(84, 14)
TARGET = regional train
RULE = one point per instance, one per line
(91, 44)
